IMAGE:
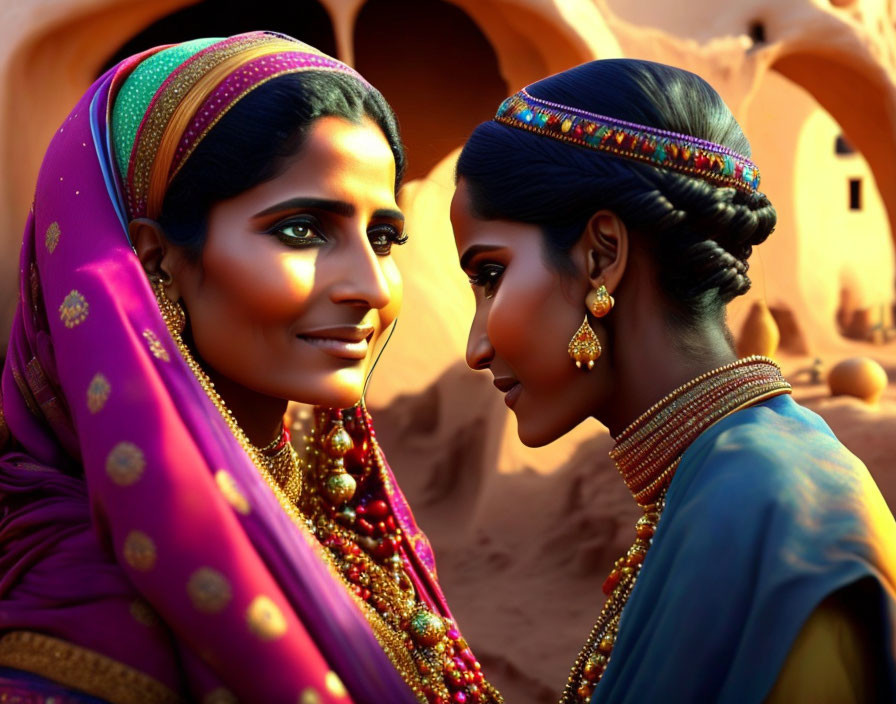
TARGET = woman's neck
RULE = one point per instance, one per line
(260, 416)
(651, 362)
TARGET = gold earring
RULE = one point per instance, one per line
(584, 347)
(599, 301)
(172, 312)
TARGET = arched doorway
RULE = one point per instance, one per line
(827, 271)
(860, 101)
(306, 20)
(437, 69)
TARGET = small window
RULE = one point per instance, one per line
(842, 147)
(855, 194)
(756, 32)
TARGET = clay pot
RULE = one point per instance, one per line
(759, 334)
(860, 377)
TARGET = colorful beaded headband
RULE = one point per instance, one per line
(671, 150)
(194, 98)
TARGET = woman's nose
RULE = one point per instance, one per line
(479, 348)
(362, 280)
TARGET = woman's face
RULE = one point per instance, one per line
(526, 313)
(295, 283)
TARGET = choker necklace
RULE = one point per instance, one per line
(284, 465)
(647, 453)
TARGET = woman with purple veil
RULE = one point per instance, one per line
(210, 238)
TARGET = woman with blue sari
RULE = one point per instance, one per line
(605, 218)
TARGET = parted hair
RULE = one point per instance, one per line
(700, 235)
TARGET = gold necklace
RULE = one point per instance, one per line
(365, 545)
(428, 652)
(284, 465)
(393, 647)
(647, 453)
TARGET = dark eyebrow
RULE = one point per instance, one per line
(337, 207)
(388, 213)
(473, 251)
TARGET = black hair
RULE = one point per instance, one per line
(254, 139)
(701, 235)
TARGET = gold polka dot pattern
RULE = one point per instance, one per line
(310, 696)
(74, 309)
(228, 487)
(265, 619)
(125, 463)
(220, 696)
(98, 393)
(209, 590)
(155, 346)
(139, 551)
(51, 238)
(334, 685)
(143, 613)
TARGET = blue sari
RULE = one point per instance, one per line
(767, 515)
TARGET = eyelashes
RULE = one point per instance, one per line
(297, 232)
(487, 277)
(309, 232)
(382, 237)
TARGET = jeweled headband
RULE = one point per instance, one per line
(670, 150)
(171, 100)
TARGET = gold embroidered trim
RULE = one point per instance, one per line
(163, 106)
(82, 669)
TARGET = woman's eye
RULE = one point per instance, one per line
(298, 233)
(382, 238)
(487, 278)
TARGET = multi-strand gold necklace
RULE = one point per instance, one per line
(343, 497)
(647, 453)
(348, 515)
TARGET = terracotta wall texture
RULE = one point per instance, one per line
(524, 536)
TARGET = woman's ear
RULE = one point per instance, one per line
(157, 256)
(606, 245)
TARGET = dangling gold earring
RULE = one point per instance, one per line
(172, 312)
(584, 348)
(599, 301)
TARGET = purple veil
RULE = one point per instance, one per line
(125, 572)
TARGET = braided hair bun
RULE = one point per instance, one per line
(701, 234)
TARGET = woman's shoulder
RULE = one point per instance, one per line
(774, 450)
(775, 474)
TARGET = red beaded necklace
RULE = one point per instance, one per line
(647, 453)
(343, 500)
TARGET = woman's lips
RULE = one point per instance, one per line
(343, 342)
(511, 388)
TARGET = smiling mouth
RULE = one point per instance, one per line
(511, 388)
(342, 341)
